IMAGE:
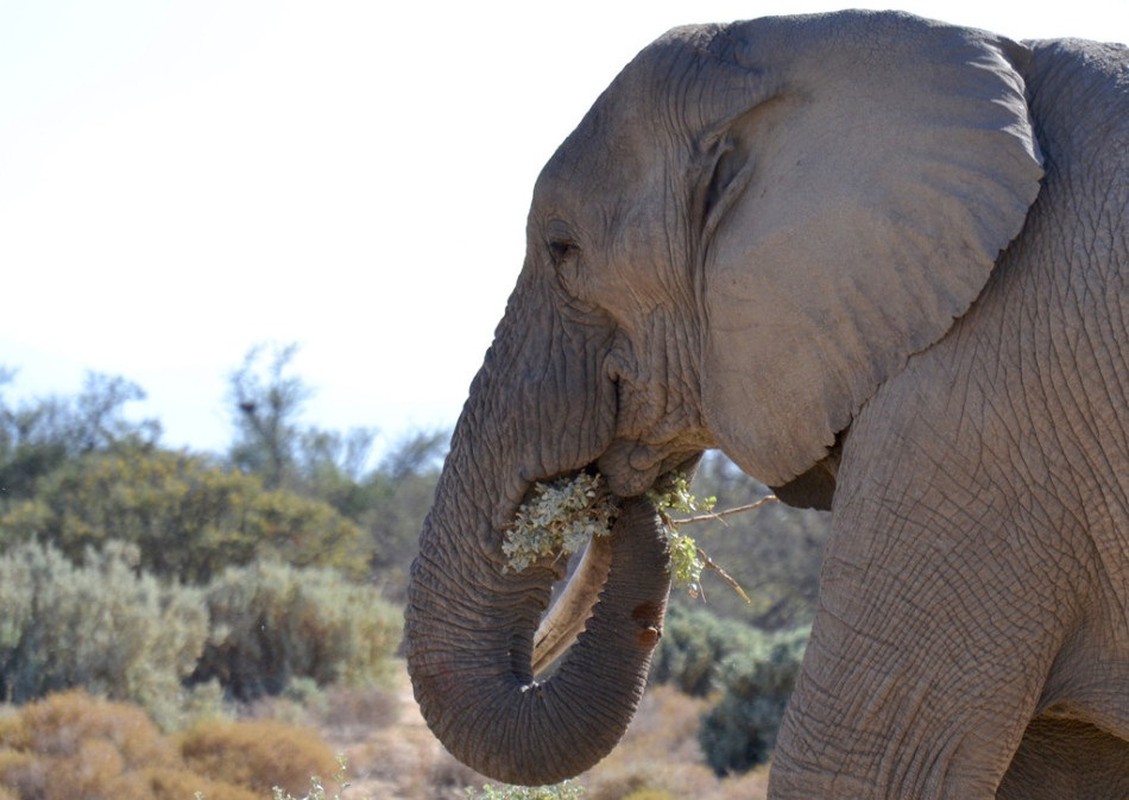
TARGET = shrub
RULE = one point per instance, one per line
(102, 626)
(272, 623)
(188, 517)
(739, 732)
(59, 723)
(183, 784)
(72, 745)
(259, 754)
(693, 645)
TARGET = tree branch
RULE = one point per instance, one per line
(715, 515)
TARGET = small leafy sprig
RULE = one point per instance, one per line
(562, 515)
(559, 519)
(560, 791)
(686, 558)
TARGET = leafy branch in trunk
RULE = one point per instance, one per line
(559, 519)
(561, 516)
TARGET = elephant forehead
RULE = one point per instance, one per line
(628, 132)
(601, 158)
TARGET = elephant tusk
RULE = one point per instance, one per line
(569, 614)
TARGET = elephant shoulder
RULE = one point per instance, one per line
(1078, 92)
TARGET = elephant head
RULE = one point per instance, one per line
(754, 226)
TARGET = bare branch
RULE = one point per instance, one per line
(710, 565)
(715, 515)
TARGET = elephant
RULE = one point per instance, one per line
(880, 262)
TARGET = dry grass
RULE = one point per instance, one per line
(660, 757)
(73, 745)
(393, 756)
(258, 754)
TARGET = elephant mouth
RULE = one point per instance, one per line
(584, 574)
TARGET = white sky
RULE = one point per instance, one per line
(181, 180)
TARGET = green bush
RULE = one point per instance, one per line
(692, 647)
(272, 623)
(188, 517)
(117, 631)
(102, 626)
(739, 732)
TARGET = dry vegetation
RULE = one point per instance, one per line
(164, 581)
(393, 756)
(73, 745)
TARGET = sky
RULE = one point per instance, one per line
(181, 180)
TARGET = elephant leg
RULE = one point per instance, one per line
(1060, 759)
(911, 686)
(946, 595)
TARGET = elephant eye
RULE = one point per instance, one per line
(561, 250)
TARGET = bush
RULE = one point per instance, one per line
(103, 626)
(259, 754)
(739, 732)
(272, 623)
(72, 745)
(188, 517)
(117, 631)
(183, 784)
(693, 645)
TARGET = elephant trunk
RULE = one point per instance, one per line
(470, 643)
(470, 620)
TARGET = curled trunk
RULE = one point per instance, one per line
(470, 632)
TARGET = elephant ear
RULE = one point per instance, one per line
(865, 172)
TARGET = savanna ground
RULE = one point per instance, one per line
(392, 754)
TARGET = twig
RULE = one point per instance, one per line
(708, 562)
(715, 515)
(710, 565)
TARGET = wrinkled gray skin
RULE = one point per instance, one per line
(862, 254)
